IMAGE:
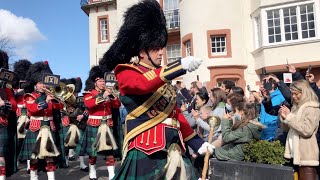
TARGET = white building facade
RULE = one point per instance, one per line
(236, 39)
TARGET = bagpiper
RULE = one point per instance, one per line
(7, 106)
(74, 119)
(20, 69)
(39, 141)
(155, 130)
(98, 137)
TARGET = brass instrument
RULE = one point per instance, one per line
(63, 93)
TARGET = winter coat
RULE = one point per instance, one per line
(270, 121)
(234, 140)
(301, 143)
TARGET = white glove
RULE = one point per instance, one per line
(190, 63)
(204, 147)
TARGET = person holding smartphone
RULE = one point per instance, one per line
(272, 97)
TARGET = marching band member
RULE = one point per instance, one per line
(20, 69)
(7, 105)
(39, 142)
(98, 137)
(155, 129)
(73, 120)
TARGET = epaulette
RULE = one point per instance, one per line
(121, 67)
(29, 98)
(29, 95)
(87, 92)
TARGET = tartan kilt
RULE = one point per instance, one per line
(87, 140)
(3, 140)
(28, 145)
(138, 165)
(60, 136)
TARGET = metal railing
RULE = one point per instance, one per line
(87, 2)
(172, 18)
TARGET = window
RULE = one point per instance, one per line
(257, 25)
(285, 23)
(188, 48)
(290, 23)
(307, 21)
(103, 29)
(171, 12)
(219, 43)
(173, 52)
(274, 29)
(103, 25)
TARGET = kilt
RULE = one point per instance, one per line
(86, 142)
(28, 145)
(3, 140)
(138, 165)
(60, 136)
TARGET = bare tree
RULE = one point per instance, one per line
(6, 45)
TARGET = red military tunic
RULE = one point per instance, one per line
(11, 100)
(98, 110)
(142, 79)
(36, 115)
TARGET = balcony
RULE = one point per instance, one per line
(87, 4)
(172, 18)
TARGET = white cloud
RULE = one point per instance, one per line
(21, 31)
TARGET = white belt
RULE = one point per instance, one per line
(100, 117)
(42, 118)
(171, 122)
(20, 106)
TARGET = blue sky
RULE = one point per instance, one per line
(59, 34)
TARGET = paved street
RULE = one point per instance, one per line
(71, 173)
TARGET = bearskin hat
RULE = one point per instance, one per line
(75, 81)
(4, 58)
(20, 68)
(35, 74)
(94, 73)
(144, 28)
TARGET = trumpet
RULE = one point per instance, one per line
(112, 91)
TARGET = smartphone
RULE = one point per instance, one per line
(285, 103)
(264, 71)
(268, 85)
(309, 69)
(226, 110)
(197, 77)
(248, 88)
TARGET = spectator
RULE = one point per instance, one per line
(202, 99)
(237, 89)
(270, 120)
(227, 85)
(236, 135)
(302, 122)
(256, 99)
(194, 89)
(183, 96)
(237, 103)
(218, 99)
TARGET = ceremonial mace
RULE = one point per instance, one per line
(213, 122)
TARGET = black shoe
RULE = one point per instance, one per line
(28, 171)
(72, 158)
(93, 178)
(84, 169)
